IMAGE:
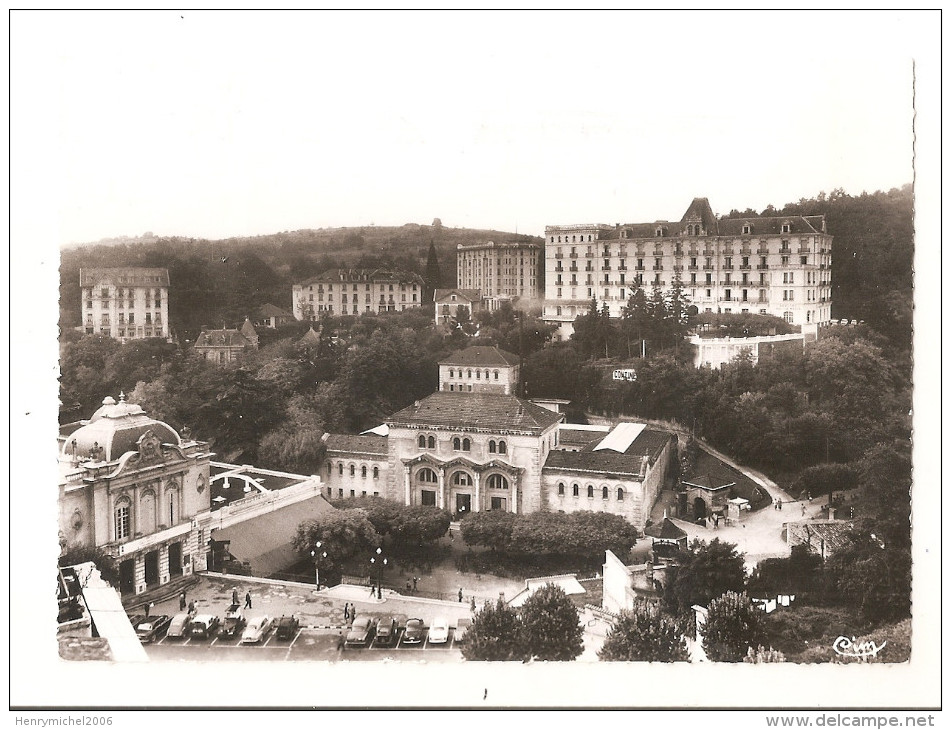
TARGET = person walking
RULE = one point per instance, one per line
(353, 614)
(460, 595)
(346, 612)
(247, 599)
(191, 607)
(181, 602)
(234, 597)
(415, 580)
(148, 607)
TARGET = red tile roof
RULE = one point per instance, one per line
(467, 411)
(356, 444)
(481, 356)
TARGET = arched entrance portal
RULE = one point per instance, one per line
(699, 509)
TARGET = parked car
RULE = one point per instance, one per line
(153, 627)
(287, 627)
(462, 628)
(439, 631)
(413, 633)
(204, 626)
(178, 628)
(361, 632)
(386, 631)
(136, 619)
(234, 621)
(257, 630)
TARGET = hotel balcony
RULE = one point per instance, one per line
(762, 250)
(745, 267)
(762, 267)
(805, 250)
(708, 267)
(559, 255)
(659, 268)
(785, 250)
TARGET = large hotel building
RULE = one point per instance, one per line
(356, 291)
(779, 266)
(126, 303)
(501, 271)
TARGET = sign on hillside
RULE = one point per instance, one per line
(628, 374)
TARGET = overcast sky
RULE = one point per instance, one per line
(224, 124)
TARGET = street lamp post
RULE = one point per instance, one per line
(380, 563)
(317, 554)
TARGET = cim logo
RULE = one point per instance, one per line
(626, 374)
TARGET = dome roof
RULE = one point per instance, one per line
(116, 428)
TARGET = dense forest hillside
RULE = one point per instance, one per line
(221, 282)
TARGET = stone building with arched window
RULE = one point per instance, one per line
(129, 484)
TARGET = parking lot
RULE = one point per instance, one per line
(306, 645)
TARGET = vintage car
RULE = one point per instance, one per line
(287, 627)
(387, 630)
(413, 633)
(361, 632)
(462, 628)
(439, 631)
(234, 621)
(204, 626)
(257, 630)
(178, 628)
(152, 628)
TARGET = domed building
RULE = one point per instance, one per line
(131, 485)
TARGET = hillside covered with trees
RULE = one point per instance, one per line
(221, 282)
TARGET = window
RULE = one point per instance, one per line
(497, 481)
(491, 447)
(422, 441)
(785, 228)
(468, 373)
(353, 492)
(456, 443)
(561, 489)
(466, 445)
(604, 492)
(427, 497)
(363, 471)
(620, 494)
(353, 470)
(329, 469)
(340, 493)
(496, 372)
(340, 468)
(426, 476)
(590, 491)
(431, 442)
(502, 447)
(574, 490)
(461, 479)
(122, 521)
(376, 472)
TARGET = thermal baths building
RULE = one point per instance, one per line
(473, 451)
(779, 266)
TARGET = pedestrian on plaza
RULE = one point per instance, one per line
(340, 640)
(148, 608)
(353, 614)
(181, 602)
(191, 607)
(247, 599)
(415, 579)
(460, 595)
(234, 597)
(346, 612)
(472, 602)
(409, 588)
(803, 509)
(372, 590)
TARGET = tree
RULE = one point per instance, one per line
(707, 570)
(82, 553)
(286, 449)
(343, 534)
(495, 635)
(491, 529)
(872, 577)
(643, 634)
(634, 320)
(551, 630)
(733, 626)
(433, 276)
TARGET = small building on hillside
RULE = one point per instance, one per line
(714, 352)
(821, 537)
(706, 495)
(624, 585)
(268, 315)
(480, 370)
(356, 466)
(226, 345)
(456, 304)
